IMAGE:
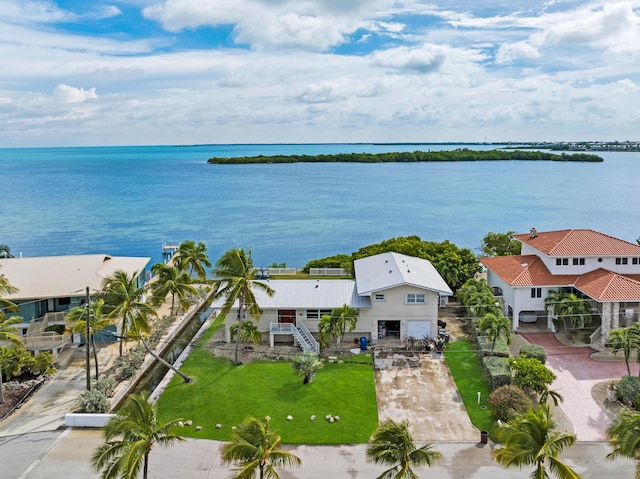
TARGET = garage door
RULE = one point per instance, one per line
(418, 329)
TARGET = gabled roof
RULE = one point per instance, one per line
(63, 276)
(388, 270)
(603, 285)
(526, 270)
(308, 294)
(578, 242)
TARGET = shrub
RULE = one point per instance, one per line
(628, 389)
(42, 363)
(506, 402)
(534, 351)
(93, 402)
(497, 370)
(530, 374)
(106, 385)
(501, 348)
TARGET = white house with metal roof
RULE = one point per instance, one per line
(395, 296)
(604, 269)
(49, 286)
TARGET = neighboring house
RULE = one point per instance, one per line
(50, 286)
(395, 295)
(594, 265)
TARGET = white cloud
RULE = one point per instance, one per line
(426, 59)
(510, 52)
(69, 94)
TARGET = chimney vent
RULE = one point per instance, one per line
(533, 233)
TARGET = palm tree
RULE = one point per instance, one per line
(552, 394)
(392, 445)
(248, 333)
(9, 334)
(193, 257)
(307, 365)
(625, 340)
(235, 281)
(530, 440)
(98, 321)
(171, 281)
(624, 437)
(567, 306)
(341, 321)
(129, 437)
(256, 449)
(495, 326)
(6, 288)
(123, 297)
(5, 251)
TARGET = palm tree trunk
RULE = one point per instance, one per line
(95, 353)
(240, 307)
(173, 300)
(145, 468)
(186, 378)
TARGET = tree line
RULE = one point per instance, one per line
(460, 154)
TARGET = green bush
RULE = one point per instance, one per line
(530, 374)
(501, 348)
(106, 385)
(497, 370)
(534, 351)
(628, 389)
(93, 402)
(42, 363)
(506, 402)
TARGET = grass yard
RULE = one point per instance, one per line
(222, 393)
(469, 378)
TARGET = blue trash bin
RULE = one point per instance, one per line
(363, 343)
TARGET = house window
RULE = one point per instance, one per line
(578, 261)
(536, 292)
(378, 297)
(634, 260)
(562, 261)
(621, 260)
(415, 298)
(317, 314)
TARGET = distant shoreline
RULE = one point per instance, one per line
(461, 154)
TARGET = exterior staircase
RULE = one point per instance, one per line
(305, 339)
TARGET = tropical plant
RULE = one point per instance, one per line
(626, 340)
(628, 389)
(124, 301)
(235, 281)
(547, 394)
(500, 244)
(255, 449)
(248, 333)
(170, 280)
(6, 288)
(336, 325)
(8, 334)
(129, 437)
(307, 365)
(193, 257)
(495, 326)
(392, 445)
(530, 440)
(507, 402)
(567, 306)
(5, 251)
(98, 321)
(530, 374)
(624, 437)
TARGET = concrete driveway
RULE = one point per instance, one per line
(420, 388)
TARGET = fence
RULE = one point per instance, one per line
(328, 272)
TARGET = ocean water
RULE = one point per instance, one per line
(129, 200)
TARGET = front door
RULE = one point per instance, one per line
(287, 316)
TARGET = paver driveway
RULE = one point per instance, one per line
(577, 374)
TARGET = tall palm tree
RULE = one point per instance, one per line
(234, 281)
(624, 437)
(495, 326)
(567, 306)
(248, 333)
(8, 334)
(123, 300)
(171, 280)
(392, 445)
(129, 437)
(530, 440)
(193, 257)
(256, 450)
(341, 321)
(307, 365)
(625, 340)
(98, 321)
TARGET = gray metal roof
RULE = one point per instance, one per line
(387, 270)
(309, 294)
(63, 276)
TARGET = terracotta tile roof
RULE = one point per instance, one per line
(528, 270)
(579, 242)
(603, 285)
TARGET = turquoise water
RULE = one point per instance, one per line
(129, 200)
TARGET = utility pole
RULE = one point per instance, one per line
(88, 356)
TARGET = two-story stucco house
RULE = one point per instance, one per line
(594, 265)
(395, 296)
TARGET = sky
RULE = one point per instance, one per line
(152, 72)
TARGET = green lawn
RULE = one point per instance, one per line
(222, 393)
(469, 377)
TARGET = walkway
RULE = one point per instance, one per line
(576, 375)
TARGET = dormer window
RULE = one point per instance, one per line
(578, 261)
(562, 261)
